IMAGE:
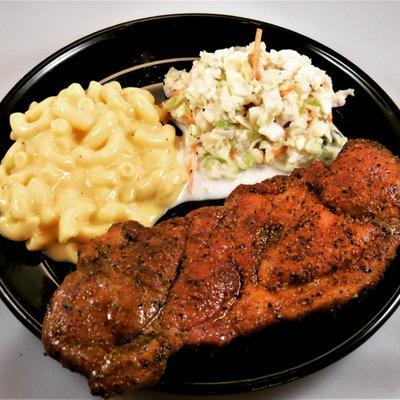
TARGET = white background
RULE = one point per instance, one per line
(367, 33)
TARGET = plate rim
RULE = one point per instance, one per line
(301, 370)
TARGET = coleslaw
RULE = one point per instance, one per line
(244, 107)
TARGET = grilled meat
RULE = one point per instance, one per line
(280, 249)
(364, 180)
(122, 282)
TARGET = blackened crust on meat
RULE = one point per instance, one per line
(122, 281)
(280, 249)
(364, 180)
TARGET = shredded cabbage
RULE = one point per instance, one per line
(236, 122)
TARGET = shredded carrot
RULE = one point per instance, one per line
(330, 118)
(192, 166)
(279, 151)
(234, 154)
(190, 118)
(255, 58)
(313, 114)
(290, 88)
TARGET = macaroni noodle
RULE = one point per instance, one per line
(82, 161)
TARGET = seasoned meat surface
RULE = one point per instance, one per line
(364, 180)
(122, 281)
(280, 249)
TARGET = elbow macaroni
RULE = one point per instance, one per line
(82, 161)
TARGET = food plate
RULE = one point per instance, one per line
(139, 53)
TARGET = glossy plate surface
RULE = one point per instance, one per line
(139, 53)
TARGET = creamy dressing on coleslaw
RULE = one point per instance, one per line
(234, 122)
(205, 188)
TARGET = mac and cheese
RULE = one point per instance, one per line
(82, 161)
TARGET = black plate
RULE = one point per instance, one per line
(139, 53)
